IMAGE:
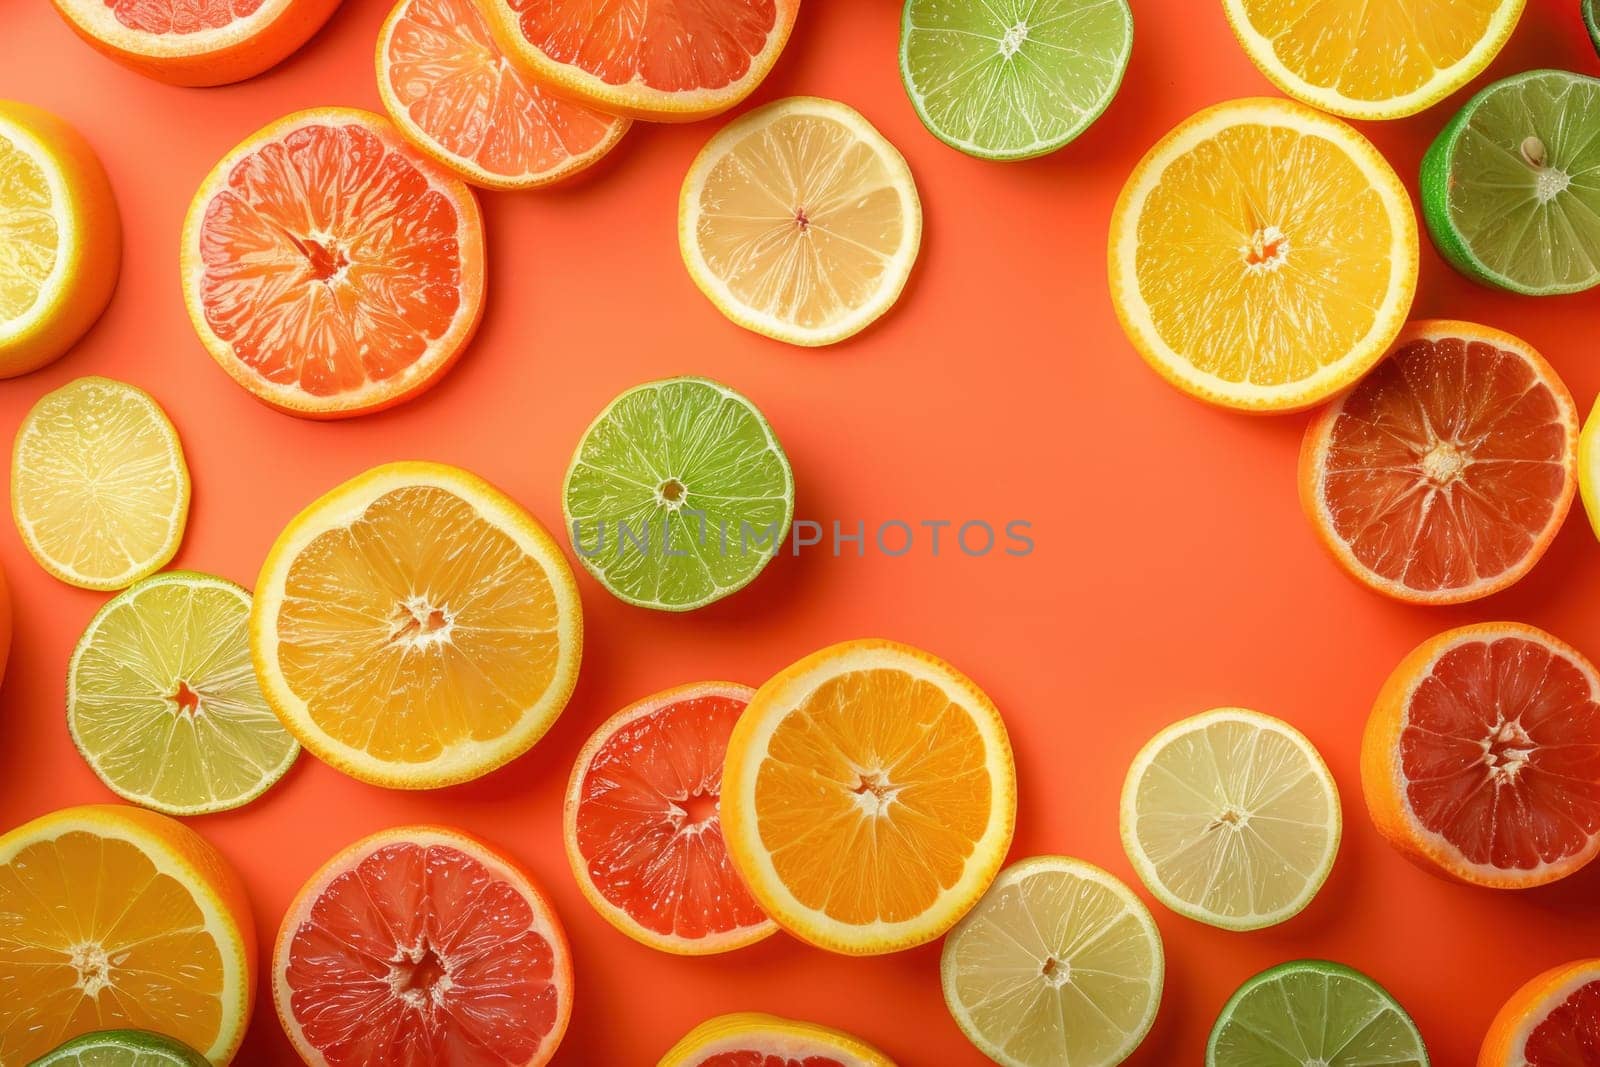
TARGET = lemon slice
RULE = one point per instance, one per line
(1589, 467)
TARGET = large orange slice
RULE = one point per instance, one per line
(329, 267)
(1551, 1021)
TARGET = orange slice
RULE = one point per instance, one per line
(1552, 1021)
(869, 796)
(751, 1039)
(329, 267)
(116, 918)
(415, 627)
(451, 90)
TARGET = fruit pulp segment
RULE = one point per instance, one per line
(755, 1057)
(1314, 1014)
(180, 17)
(1570, 1034)
(30, 237)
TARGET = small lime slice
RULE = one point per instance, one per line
(678, 494)
(162, 699)
(122, 1048)
(1013, 79)
(1511, 187)
(1314, 1012)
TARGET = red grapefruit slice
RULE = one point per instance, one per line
(1552, 1021)
(1445, 473)
(644, 826)
(420, 946)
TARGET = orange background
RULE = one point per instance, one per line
(1173, 570)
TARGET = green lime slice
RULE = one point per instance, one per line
(1511, 187)
(678, 494)
(122, 1048)
(162, 699)
(1013, 79)
(1311, 1012)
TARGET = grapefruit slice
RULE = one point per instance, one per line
(644, 829)
(666, 60)
(1481, 759)
(329, 267)
(1444, 475)
(422, 945)
(751, 1039)
(1552, 1021)
(449, 88)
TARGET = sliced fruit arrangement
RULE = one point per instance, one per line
(1059, 963)
(769, 1041)
(869, 796)
(61, 233)
(665, 60)
(1013, 79)
(644, 827)
(1481, 759)
(1381, 60)
(1313, 1011)
(447, 85)
(99, 486)
(422, 945)
(1263, 255)
(1551, 1021)
(415, 627)
(122, 1048)
(1444, 474)
(162, 700)
(678, 495)
(1231, 818)
(331, 268)
(800, 222)
(117, 917)
(1511, 187)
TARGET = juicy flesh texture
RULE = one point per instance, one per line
(177, 17)
(758, 1058)
(649, 828)
(1446, 464)
(1570, 1035)
(97, 938)
(802, 221)
(1500, 754)
(418, 627)
(329, 261)
(29, 236)
(419, 955)
(1311, 1016)
(1264, 255)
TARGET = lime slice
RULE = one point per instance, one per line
(1314, 1012)
(162, 699)
(122, 1048)
(1013, 79)
(1231, 818)
(1511, 187)
(678, 494)
(1059, 963)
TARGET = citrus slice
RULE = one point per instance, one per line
(643, 826)
(415, 627)
(1013, 79)
(117, 917)
(667, 60)
(450, 89)
(678, 494)
(99, 487)
(1549, 1022)
(1445, 473)
(750, 1038)
(60, 238)
(1509, 187)
(422, 945)
(1313, 1011)
(868, 797)
(1231, 818)
(329, 267)
(122, 1048)
(1479, 759)
(800, 222)
(1372, 60)
(162, 701)
(1589, 467)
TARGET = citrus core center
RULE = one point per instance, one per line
(93, 967)
(1229, 819)
(874, 793)
(1266, 250)
(419, 976)
(1443, 463)
(186, 698)
(698, 808)
(417, 622)
(1056, 972)
(672, 491)
(1506, 750)
(1013, 39)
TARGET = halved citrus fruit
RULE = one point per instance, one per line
(196, 42)
(666, 60)
(644, 827)
(331, 268)
(1445, 473)
(1481, 758)
(1372, 60)
(757, 1040)
(1314, 1012)
(117, 917)
(1551, 1021)
(451, 90)
(122, 1048)
(422, 945)
(869, 796)
(415, 627)
(1263, 255)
